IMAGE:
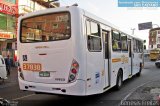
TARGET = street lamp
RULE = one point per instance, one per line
(156, 25)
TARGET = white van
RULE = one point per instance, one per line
(3, 72)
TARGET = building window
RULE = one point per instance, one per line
(11, 24)
(158, 45)
(3, 21)
(151, 46)
(93, 37)
(7, 23)
(9, 45)
(11, 1)
(158, 40)
(154, 33)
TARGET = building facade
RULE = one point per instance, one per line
(10, 10)
(27, 6)
(154, 38)
(8, 27)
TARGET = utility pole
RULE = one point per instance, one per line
(133, 29)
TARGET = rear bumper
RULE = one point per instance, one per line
(77, 88)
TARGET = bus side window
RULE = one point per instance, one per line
(116, 42)
(115, 45)
(124, 42)
(93, 36)
(134, 46)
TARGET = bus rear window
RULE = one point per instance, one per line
(44, 28)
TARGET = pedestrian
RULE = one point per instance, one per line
(8, 64)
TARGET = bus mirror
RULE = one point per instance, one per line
(144, 47)
(144, 41)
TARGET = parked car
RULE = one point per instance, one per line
(157, 63)
(3, 72)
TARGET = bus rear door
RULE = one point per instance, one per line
(106, 73)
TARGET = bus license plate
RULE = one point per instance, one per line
(44, 74)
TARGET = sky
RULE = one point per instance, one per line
(122, 17)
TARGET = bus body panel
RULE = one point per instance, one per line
(125, 65)
(57, 57)
(116, 65)
(79, 40)
(137, 59)
(94, 73)
(55, 61)
(60, 55)
(94, 67)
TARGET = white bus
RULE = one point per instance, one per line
(69, 51)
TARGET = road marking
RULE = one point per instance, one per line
(23, 97)
(134, 89)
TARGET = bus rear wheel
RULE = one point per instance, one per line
(119, 81)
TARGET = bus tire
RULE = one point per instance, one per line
(139, 73)
(119, 81)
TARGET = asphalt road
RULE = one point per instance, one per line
(10, 91)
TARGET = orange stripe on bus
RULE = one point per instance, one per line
(116, 60)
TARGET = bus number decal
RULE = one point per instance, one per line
(32, 66)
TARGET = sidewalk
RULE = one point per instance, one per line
(11, 79)
(148, 91)
(147, 94)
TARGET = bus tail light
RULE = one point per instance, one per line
(73, 71)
